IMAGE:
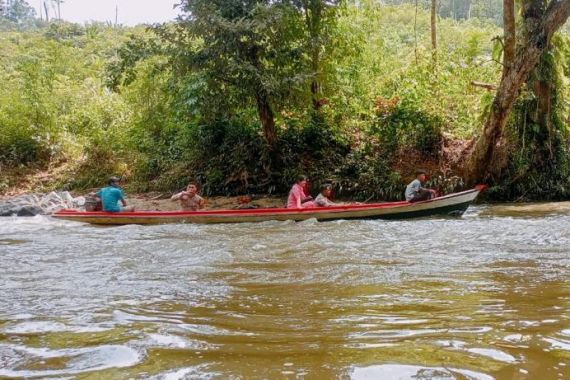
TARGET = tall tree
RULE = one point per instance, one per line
(319, 18)
(540, 21)
(57, 4)
(17, 11)
(246, 45)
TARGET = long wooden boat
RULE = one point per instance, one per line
(448, 205)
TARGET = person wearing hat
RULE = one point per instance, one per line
(415, 192)
(111, 196)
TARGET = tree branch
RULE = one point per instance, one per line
(556, 14)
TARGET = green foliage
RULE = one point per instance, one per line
(404, 124)
(487, 10)
(538, 133)
(18, 147)
(245, 48)
(52, 100)
(121, 68)
(183, 101)
(17, 14)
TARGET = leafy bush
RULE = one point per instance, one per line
(401, 124)
(19, 147)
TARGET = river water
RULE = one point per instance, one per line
(482, 297)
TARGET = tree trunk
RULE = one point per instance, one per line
(509, 34)
(266, 117)
(486, 162)
(315, 85)
(315, 91)
(313, 10)
(434, 26)
(543, 116)
(543, 92)
(47, 13)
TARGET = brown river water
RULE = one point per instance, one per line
(482, 297)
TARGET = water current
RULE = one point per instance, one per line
(482, 297)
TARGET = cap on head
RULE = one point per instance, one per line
(114, 179)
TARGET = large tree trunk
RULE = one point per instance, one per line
(266, 117)
(488, 159)
(264, 110)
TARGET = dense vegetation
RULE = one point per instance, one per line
(243, 96)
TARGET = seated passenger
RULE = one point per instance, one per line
(297, 196)
(189, 198)
(111, 195)
(322, 199)
(415, 192)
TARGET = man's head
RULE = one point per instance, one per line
(302, 180)
(326, 189)
(114, 181)
(421, 175)
(192, 188)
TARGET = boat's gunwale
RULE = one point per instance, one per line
(258, 211)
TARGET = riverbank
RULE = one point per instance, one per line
(161, 201)
(18, 182)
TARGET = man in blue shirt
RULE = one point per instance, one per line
(111, 196)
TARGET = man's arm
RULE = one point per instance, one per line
(123, 201)
(176, 197)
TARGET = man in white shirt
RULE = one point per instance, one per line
(415, 192)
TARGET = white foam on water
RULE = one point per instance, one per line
(493, 354)
(197, 372)
(412, 372)
(78, 360)
(558, 344)
(36, 327)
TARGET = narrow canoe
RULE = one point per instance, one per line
(448, 205)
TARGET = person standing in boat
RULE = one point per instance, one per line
(415, 192)
(297, 196)
(111, 195)
(189, 198)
